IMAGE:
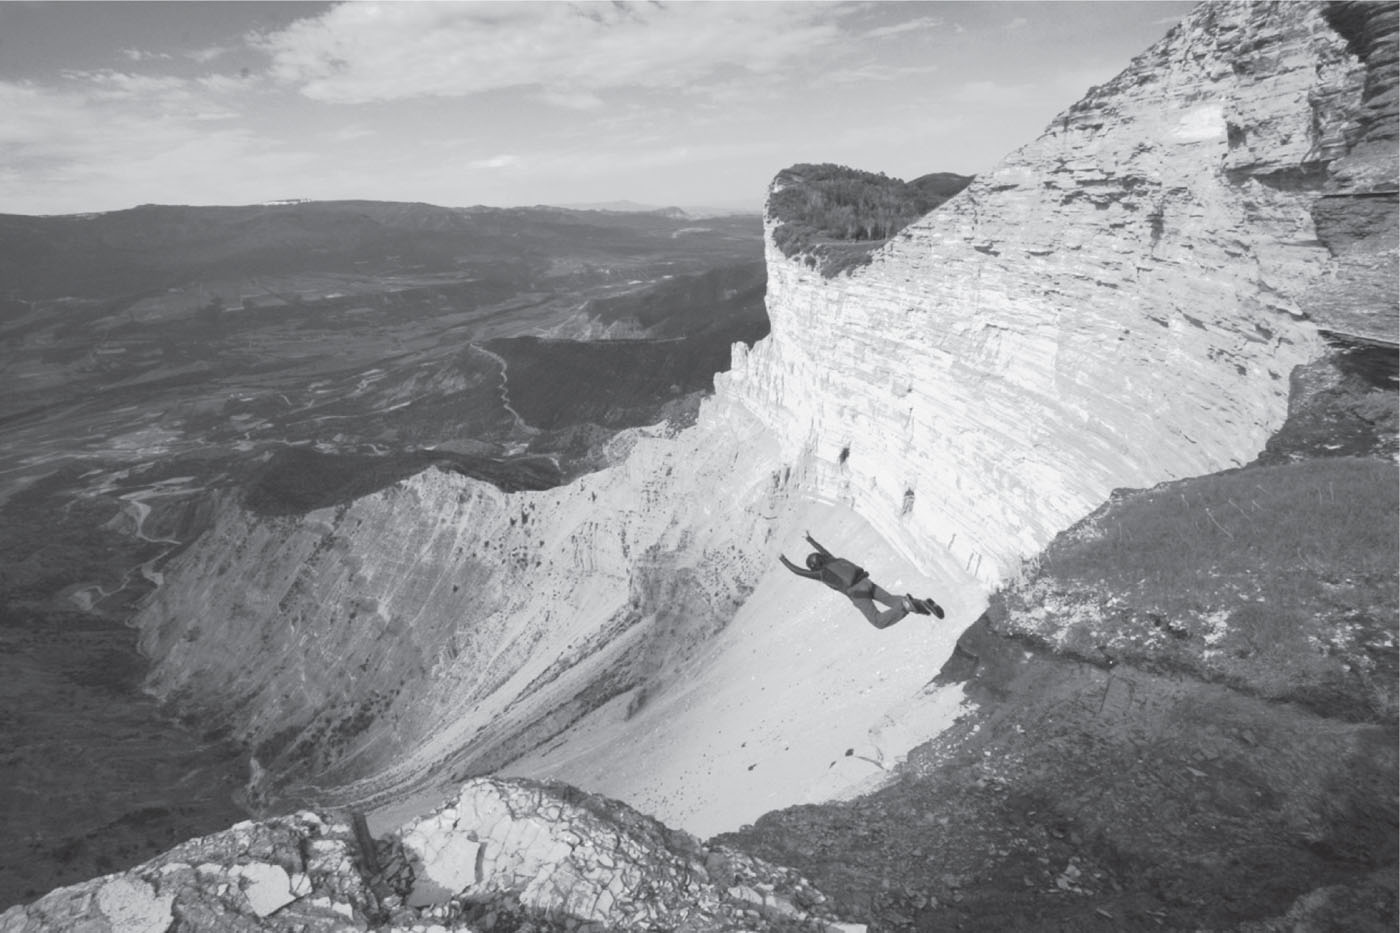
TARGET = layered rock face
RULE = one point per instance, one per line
(515, 855)
(1356, 216)
(444, 625)
(1118, 303)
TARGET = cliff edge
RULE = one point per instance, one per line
(1117, 303)
(1120, 303)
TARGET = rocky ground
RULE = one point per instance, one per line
(1192, 746)
(507, 856)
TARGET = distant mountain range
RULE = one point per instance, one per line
(634, 207)
(155, 247)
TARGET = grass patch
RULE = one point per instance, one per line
(1292, 533)
(1280, 580)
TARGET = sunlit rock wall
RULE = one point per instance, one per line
(441, 625)
(1116, 304)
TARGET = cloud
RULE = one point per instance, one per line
(223, 84)
(1020, 22)
(499, 161)
(107, 139)
(352, 133)
(1061, 90)
(110, 85)
(206, 55)
(634, 158)
(141, 55)
(874, 72)
(912, 25)
(986, 93)
(365, 52)
(571, 100)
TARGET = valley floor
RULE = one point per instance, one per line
(97, 777)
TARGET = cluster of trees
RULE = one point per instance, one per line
(818, 207)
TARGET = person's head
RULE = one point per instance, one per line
(815, 561)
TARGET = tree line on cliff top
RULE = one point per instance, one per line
(836, 216)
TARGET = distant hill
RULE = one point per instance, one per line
(154, 247)
(626, 207)
(692, 211)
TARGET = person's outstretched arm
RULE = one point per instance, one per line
(800, 571)
(813, 542)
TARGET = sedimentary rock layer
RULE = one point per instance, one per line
(442, 623)
(1118, 303)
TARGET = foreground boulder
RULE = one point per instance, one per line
(501, 855)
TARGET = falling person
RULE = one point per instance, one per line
(855, 584)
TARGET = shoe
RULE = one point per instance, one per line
(914, 605)
(936, 609)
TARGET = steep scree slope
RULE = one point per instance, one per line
(1119, 303)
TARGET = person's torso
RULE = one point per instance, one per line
(840, 574)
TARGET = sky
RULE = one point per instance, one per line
(107, 105)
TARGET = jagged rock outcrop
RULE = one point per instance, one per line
(1118, 303)
(1356, 215)
(500, 854)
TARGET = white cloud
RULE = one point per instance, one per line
(351, 133)
(361, 52)
(206, 55)
(98, 143)
(223, 84)
(499, 161)
(635, 158)
(991, 93)
(923, 23)
(875, 72)
(109, 85)
(141, 55)
(571, 100)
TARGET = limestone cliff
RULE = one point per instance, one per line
(1118, 303)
